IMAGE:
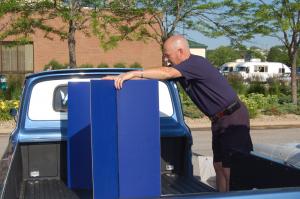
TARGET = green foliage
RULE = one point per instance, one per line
(135, 65)
(252, 106)
(237, 83)
(274, 86)
(278, 54)
(279, 19)
(189, 108)
(257, 87)
(278, 87)
(120, 65)
(54, 65)
(15, 85)
(5, 106)
(102, 65)
(256, 52)
(223, 54)
(280, 109)
(257, 103)
(86, 66)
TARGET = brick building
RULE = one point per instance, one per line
(33, 57)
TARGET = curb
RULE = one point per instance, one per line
(256, 127)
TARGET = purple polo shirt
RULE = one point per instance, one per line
(207, 88)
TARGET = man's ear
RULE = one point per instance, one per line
(180, 51)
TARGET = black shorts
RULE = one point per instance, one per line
(231, 132)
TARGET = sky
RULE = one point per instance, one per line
(213, 43)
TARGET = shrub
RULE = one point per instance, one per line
(86, 66)
(290, 108)
(251, 105)
(273, 110)
(274, 85)
(102, 65)
(119, 65)
(188, 106)
(237, 83)
(192, 111)
(257, 87)
(258, 103)
(285, 88)
(135, 65)
(282, 98)
(5, 106)
(55, 65)
(15, 84)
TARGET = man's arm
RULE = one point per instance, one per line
(160, 73)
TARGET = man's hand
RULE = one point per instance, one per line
(160, 73)
(119, 79)
(123, 77)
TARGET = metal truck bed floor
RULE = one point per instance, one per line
(182, 185)
(56, 189)
(46, 189)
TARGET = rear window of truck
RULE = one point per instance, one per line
(49, 100)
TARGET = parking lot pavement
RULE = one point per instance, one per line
(3, 143)
(202, 152)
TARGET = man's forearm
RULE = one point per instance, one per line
(160, 73)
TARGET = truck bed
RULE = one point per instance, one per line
(56, 189)
(172, 184)
(46, 189)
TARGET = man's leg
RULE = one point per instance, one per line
(226, 172)
(221, 180)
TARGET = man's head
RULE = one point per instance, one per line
(176, 49)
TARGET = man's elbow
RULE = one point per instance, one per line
(171, 73)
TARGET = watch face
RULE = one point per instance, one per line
(60, 99)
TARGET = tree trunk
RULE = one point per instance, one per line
(72, 44)
(294, 77)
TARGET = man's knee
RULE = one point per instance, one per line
(218, 167)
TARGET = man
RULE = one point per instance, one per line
(212, 94)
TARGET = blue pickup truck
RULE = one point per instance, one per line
(34, 165)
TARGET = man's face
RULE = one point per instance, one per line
(172, 55)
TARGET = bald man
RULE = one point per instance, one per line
(212, 94)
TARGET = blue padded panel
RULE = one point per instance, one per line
(104, 139)
(139, 139)
(79, 136)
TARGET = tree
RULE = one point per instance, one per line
(257, 53)
(223, 54)
(278, 54)
(279, 19)
(164, 18)
(9, 16)
(99, 17)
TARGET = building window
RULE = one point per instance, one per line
(16, 58)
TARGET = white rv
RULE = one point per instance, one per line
(230, 66)
(263, 70)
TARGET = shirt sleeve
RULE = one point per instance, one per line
(187, 70)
